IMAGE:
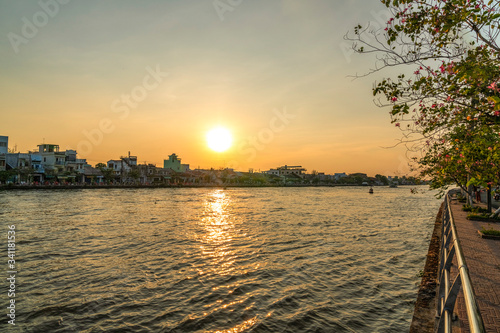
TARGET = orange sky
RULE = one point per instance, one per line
(154, 77)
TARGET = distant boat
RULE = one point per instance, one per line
(370, 190)
(393, 185)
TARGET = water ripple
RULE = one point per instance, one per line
(212, 260)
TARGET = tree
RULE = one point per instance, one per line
(108, 174)
(382, 179)
(135, 175)
(6, 175)
(448, 105)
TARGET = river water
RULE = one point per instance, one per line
(217, 260)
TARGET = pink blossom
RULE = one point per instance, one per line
(450, 68)
(493, 86)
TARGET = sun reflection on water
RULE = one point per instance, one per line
(247, 324)
(218, 232)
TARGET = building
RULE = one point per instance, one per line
(17, 161)
(123, 166)
(150, 174)
(4, 149)
(339, 175)
(46, 163)
(324, 177)
(286, 170)
(92, 175)
(4, 145)
(20, 163)
(53, 160)
(73, 164)
(174, 163)
(37, 166)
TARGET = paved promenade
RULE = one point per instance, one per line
(482, 257)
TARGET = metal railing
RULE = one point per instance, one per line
(450, 247)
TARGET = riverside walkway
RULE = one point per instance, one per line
(482, 257)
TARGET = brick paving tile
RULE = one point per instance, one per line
(482, 257)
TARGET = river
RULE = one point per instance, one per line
(327, 259)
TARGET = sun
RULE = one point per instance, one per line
(219, 139)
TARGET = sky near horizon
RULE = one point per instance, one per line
(153, 77)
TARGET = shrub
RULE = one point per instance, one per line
(490, 231)
(481, 217)
(480, 210)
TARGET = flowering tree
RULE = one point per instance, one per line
(448, 103)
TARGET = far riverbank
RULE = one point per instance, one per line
(132, 186)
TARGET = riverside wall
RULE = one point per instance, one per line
(424, 315)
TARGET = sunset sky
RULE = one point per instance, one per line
(153, 77)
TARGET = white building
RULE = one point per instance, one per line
(74, 164)
(53, 160)
(123, 166)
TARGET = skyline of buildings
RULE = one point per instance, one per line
(49, 164)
